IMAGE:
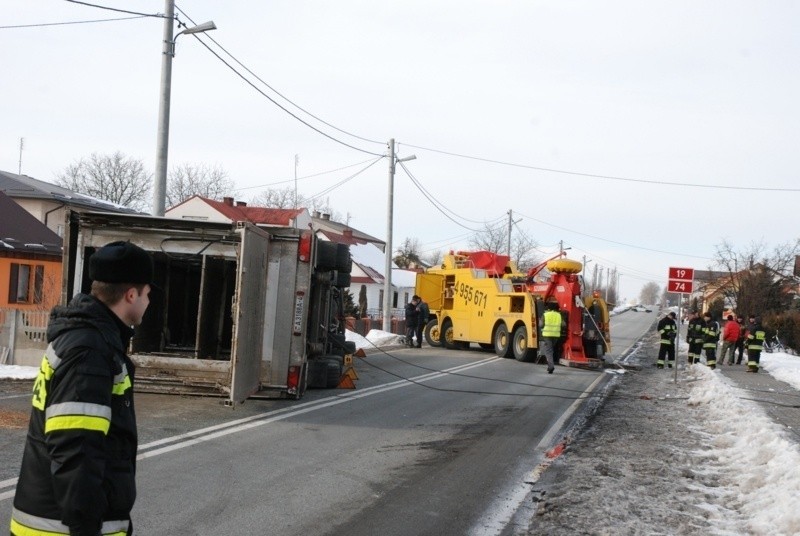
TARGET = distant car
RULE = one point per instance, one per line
(641, 309)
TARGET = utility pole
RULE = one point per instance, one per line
(296, 163)
(560, 247)
(162, 145)
(510, 222)
(387, 274)
(388, 294)
(21, 146)
(608, 282)
(583, 271)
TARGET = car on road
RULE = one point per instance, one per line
(641, 309)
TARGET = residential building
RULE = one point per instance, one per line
(48, 203)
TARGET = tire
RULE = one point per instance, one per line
(343, 261)
(343, 280)
(502, 342)
(432, 335)
(519, 345)
(446, 335)
(327, 253)
(334, 371)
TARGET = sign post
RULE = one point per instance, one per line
(679, 281)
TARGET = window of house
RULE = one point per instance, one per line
(26, 284)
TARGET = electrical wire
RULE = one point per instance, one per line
(44, 24)
(348, 179)
(607, 177)
(614, 241)
(273, 101)
(281, 95)
(303, 177)
(156, 15)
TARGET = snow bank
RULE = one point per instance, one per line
(755, 467)
(375, 339)
(18, 372)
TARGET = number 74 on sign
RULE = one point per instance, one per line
(681, 280)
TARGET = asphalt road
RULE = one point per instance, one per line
(447, 452)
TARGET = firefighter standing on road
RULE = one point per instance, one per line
(755, 343)
(694, 335)
(551, 334)
(78, 467)
(710, 340)
(668, 330)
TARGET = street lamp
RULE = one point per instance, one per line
(387, 276)
(162, 143)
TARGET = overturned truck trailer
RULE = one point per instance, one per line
(238, 310)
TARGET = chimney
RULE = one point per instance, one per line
(316, 214)
(326, 217)
(241, 203)
(228, 201)
(348, 233)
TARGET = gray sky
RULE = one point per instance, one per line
(666, 94)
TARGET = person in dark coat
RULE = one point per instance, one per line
(668, 329)
(79, 463)
(411, 322)
(755, 343)
(694, 336)
(423, 312)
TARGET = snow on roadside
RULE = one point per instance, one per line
(18, 372)
(375, 338)
(754, 466)
(782, 366)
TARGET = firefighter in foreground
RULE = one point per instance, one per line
(78, 467)
(668, 329)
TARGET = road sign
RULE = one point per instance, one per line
(682, 274)
(681, 280)
(680, 287)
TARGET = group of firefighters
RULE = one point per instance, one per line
(703, 334)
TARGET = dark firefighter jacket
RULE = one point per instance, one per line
(695, 329)
(79, 463)
(668, 329)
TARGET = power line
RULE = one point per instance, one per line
(156, 15)
(340, 183)
(607, 177)
(614, 241)
(278, 92)
(304, 177)
(44, 24)
(273, 101)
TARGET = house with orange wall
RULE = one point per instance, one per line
(30, 260)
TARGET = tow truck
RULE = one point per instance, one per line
(482, 297)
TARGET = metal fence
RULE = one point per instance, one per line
(23, 336)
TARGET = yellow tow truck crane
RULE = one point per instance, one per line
(482, 297)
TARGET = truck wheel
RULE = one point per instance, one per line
(447, 336)
(432, 335)
(327, 253)
(502, 341)
(334, 371)
(520, 345)
(344, 263)
(343, 280)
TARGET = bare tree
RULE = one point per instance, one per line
(759, 278)
(407, 254)
(115, 178)
(433, 257)
(187, 180)
(649, 293)
(495, 239)
(285, 198)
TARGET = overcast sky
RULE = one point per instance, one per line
(693, 103)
